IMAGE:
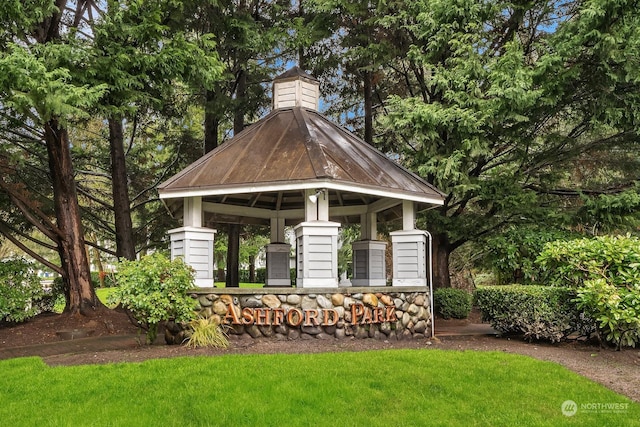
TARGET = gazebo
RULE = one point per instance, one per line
(296, 168)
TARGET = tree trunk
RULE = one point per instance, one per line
(252, 269)
(441, 252)
(76, 274)
(368, 108)
(125, 244)
(233, 258)
(233, 248)
(211, 123)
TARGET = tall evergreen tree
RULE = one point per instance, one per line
(127, 61)
(501, 100)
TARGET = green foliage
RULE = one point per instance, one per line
(538, 312)
(206, 332)
(155, 289)
(20, 289)
(451, 302)
(606, 272)
(488, 108)
(34, 80)
(613, 258)
(54, 299)
(611, 212)
(108, 278)
(260, 275)
(512, 254)
(617, 310)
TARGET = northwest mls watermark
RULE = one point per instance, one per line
(570, 408)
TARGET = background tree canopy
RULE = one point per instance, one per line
(522, 113)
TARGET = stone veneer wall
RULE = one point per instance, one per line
(407, 307)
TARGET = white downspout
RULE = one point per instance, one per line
(433, 318)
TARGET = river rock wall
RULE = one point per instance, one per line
(287, 313)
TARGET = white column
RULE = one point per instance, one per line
(409, 258)
(317, 254)
(195, 246)
(368, 254)
(408, 215)
(323, 206)
(278, 271)
(369, 226)
(369, 263)
(192, 212)
(277, 230)
(316, 205)
(310, 207)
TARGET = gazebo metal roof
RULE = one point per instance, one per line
(267, 167)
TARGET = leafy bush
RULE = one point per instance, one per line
(244, 275)
(53, 299)
(512, 254)
(108, 279)
(206, 332)
(572, 262)
(538, 312)
(617, 310)
(451, 302)
(606, 273)
(20, 290)
(155, 289)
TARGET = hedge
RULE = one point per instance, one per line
(538, 312)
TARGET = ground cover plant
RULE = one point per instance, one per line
(390, 387)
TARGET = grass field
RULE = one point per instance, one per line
(241, 285)
(377, 388)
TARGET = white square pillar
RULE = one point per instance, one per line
(317, 254)
(409, 258)
(195, 246)
(278, 271)
(369, 263)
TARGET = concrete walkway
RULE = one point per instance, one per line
(444, 329)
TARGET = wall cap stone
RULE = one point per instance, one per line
(306, 291)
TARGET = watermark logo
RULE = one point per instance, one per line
(569, 408)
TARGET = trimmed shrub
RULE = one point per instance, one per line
(155, 289)
(451, 302)
(538, 312)
(20, 290)
(244, 275)
(606, 274)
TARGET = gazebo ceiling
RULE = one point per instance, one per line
(268, 166)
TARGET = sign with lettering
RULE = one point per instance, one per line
(360, 315)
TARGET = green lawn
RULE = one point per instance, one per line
(377, 388)
(241, 285)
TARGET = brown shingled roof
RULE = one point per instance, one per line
(269, 164)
